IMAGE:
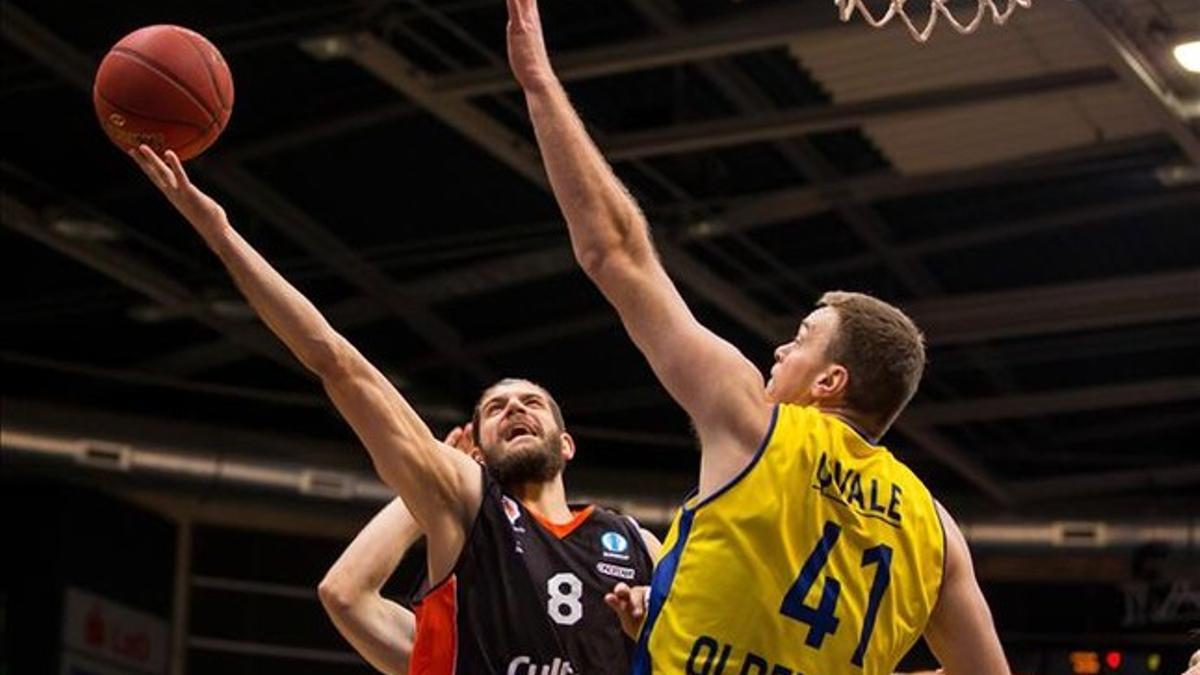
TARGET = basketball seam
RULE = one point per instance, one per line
(153, 118)
(212, 77)
(204, 136)
(159, 69)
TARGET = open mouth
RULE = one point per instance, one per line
(518, 430)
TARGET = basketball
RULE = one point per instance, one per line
(165, 86)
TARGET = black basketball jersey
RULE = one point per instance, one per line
(527, 597)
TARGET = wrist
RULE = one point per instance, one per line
(217, 233)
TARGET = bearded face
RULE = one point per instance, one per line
(526, 458)
(521, 440)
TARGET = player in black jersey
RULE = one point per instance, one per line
(383, 630)
(520, 577)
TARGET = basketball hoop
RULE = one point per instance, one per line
(937, 7)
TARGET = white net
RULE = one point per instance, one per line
(998, 10)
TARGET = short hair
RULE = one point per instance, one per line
(476, 414)
(883, 350)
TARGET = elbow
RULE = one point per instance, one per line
(625, 242)
(593, 259)
(337, 595)
(609, 269)
(328, 357)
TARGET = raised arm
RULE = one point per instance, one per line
(612, 243)
(960, 631)
(379, 629)
(441, 486)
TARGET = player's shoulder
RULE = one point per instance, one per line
(618, 529)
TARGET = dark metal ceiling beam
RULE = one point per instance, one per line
(312, 133)
(769, 126)
(552, 331)
(141, 277)
(991, 233)
(1084, 399)
(377, 57)
(1081, 347)
(1105, 22)
(383, 61)
(1075, 306)
(935, 444)
(1108, 482)
(947, 321)
(24, 32)
(752, 30)
(1122, 429)
(315, 238)
(743, 214)
(777, 206)
(437, 288)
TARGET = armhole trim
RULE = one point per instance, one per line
(762, 448)
(487, 486)
(937, 512)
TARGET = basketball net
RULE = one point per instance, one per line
(937, 8)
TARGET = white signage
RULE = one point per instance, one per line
(120, 635)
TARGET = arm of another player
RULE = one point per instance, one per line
(379, 629)
(960, 631)
(612, 243)
(440, 485)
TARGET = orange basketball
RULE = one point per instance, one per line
(165, 86)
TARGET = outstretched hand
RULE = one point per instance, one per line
(167, 174)
(527, 46)
(630, 605)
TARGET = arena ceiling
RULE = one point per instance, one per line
(1029, 193)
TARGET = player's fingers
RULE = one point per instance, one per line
(453, 437)
(153, 166)
(155, 163)
(137, 158)
(176, 166)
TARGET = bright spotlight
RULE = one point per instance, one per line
(1188, 55)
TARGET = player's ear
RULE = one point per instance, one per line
(832, 383)
(568, 446)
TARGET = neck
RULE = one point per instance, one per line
(548, 498)
(864, 425)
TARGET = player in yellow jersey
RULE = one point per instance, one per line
(808, 548)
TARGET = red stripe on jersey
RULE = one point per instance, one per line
(435, 651)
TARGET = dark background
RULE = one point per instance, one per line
(1049, 249)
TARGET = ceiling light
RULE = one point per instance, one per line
(234, 309)
(1177, 175)
(84, 229)
(1188, 55)
(150, 313)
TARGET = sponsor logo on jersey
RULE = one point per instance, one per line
(523, 665)
(514, 514)
(617, 571)
(511, 509)
(615, 545)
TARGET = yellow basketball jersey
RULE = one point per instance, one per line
(825, 555)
